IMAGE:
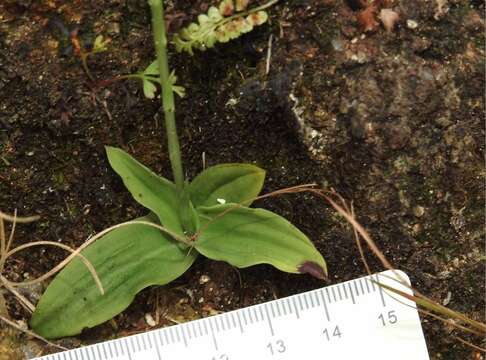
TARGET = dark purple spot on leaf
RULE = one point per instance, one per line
(314, 269)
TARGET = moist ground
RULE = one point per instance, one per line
(391, 120)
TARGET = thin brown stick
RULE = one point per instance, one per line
(430, 304)
(86, 262)
(31, 333)
(2, 243)
(19, 219)
(12, 232)
(22, 299)
(449, 322)
(465, 342)
(93, 239)
(427, 313)
(358, 243)
(289, 190)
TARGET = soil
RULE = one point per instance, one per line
(391, 119)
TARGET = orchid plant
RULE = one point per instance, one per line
(208, 216)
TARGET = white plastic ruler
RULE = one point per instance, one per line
(353, 320)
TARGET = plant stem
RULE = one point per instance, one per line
(160, 40)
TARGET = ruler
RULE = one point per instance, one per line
(353, 320)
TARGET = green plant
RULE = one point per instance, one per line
(221, 24)
(99, 45)
(228, 21)
(208, 216)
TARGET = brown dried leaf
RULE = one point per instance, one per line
(366, 19)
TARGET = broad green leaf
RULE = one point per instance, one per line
(126, 260)
(243, 237)
(228, 183)
(150, 190)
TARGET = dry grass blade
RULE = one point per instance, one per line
(86, 262)
(289, 190)
(358, 244)
(22, 299)
(31, 333)
(465, 342)
(432, 305)
(19, 219)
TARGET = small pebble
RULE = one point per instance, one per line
(204, 279)
(150, 320)
(418, 211)
(447, 299)
(388, 18)
(412, 24)
(337, 44)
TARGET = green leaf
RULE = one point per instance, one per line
(150, 77)
(100, 44)
(229, 183)
(126, 260)
(243, 237)
(219, 25)
(149, 88)
(152, 69)
(150, 190)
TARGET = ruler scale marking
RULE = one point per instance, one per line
(285, 306)
(381, 291)
(356, 330)
(299, 300)
(367, 285)
(361, 286)
(311, 299)
(328, 295)
(250, 317)
(272, 308)
(177, 333)
(269, 320)
(295, 307)
(244, 316)
(221, 321)
(315, 294)
(351, 294)
(194, 330)
(345, 292)
(212, 333)
(184, 339)
(99, 352)
(155, 339)
(356, 288)
(333, 291)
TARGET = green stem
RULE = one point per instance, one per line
(160, 39)
(84, 62)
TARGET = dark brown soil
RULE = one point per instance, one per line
(391, 120)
